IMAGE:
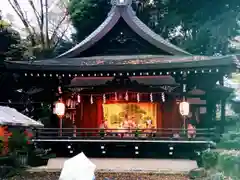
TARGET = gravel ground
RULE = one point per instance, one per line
(103, 175)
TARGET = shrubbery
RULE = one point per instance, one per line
(224, 163)
(21, 153)
(230, 140)
(209, 159)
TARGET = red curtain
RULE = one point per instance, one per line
(90, 115)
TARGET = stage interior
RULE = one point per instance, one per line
(122, 116)
(125, 107)
(112, 117)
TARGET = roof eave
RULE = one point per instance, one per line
(165, 66)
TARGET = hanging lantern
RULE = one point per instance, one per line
(163, 97)
(184, 108)
(151, 97)
(138, 97)
(91, 99)
(126, 96)
(78, 98)
(59, 109)
(104, 98)
(116, 97)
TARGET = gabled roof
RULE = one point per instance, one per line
(125, 12)
(78, 60)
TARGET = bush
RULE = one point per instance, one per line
(230, 140)
(231, 144)
(229, 163)
(18, 141)
(223, 162)
(209, 159)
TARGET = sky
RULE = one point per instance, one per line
(9, 14)
(7, 9)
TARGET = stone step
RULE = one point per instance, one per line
(123, 165)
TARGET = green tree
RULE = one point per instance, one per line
(201, 27)
(87, 15)
(11, 47)
(204, 27)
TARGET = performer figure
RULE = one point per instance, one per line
(191, 131)
(149, 127)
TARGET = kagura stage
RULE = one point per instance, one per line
(128, 116)
(122, 100)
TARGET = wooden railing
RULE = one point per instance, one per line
(96, 133)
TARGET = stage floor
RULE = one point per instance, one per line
(127, 165)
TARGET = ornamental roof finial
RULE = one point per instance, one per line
(121, 2)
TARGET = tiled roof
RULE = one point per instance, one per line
(135, 24)
(96, 35)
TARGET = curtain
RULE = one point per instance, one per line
(90, 115)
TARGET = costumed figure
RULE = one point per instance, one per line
(191, 131)
(149, 127)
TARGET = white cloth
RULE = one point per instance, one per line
(78, 168)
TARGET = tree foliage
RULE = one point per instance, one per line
(201, 27)
(11, 47)
(87, 15)
(206, 26)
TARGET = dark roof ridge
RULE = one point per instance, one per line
(127, 13)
